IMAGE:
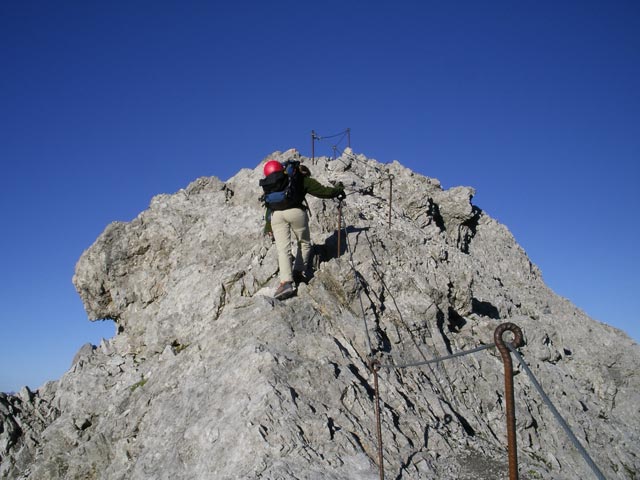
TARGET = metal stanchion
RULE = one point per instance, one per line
(512, 447)
(375, 366)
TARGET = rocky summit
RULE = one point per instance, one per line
(209, 377)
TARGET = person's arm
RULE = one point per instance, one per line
(315, 188)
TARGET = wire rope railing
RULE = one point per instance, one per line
(315, 137)
(505, 349)
(561, 421)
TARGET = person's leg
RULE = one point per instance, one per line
(282, 236)
(299, 222)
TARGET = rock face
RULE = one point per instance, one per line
(209, 377)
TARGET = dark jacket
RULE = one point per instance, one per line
(315, 188)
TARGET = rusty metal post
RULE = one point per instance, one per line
(339, 225)
(512, 447)
(375, 366)
(313, 147)
(390, 196)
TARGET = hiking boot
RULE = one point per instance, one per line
(285, 290)
(300, 277)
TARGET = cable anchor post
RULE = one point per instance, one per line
(339, 226)
(313, 147)
(390, 195)
(374, 365)
(512, 447)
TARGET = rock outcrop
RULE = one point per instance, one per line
(209, 377)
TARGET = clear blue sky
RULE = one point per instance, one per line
(535, 104)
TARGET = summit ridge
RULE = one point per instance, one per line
(208, 376)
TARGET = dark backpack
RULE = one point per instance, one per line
(284, 189)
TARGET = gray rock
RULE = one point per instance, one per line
(210, 377)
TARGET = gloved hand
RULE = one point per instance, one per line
(267, 231)
(340, 195)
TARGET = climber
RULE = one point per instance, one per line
(285, 187)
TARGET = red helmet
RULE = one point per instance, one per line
(272, 166)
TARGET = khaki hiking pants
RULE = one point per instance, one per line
(283, 222)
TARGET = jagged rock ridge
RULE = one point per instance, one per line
(208, 377)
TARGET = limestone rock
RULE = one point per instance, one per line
(209, 377)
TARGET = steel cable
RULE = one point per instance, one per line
(435, 381)
(439, 359)
(318, 137)
(426, 361)
(360, 286)
(556, 414)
